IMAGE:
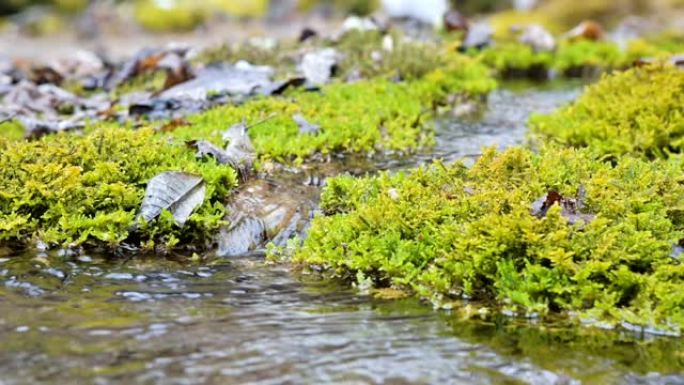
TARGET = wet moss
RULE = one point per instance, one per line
(11, 130)
(183, 16)
(365, 117)
(517, 60)
(639, 111)
(574, 58)
(452, 233)
(71, 189)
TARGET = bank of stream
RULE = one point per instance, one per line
(201, 319)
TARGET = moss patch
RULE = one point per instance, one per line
(451, 233)
(639, 111)
(363, 117)
(73, 190)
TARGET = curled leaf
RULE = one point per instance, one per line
(178, 192)
(240, 152)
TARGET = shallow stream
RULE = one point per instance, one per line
(88, 319)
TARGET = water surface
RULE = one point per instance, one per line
(89, 319)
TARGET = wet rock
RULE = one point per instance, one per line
(538, 38)
(178, 192)
(261, 212)
(163, 109)
(318, 67)
(479, 36)
(82, 64)
(243, 236)
(36, 128)
(589, 30)
(242, 79)
(455, 21)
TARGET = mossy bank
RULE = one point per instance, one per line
(86, 190)
(639, 111)
(454, 234)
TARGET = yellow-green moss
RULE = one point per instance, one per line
(639, 111)
(11, 130)
(363, 117)
(87, 189)
(454, 234)
(182, 16)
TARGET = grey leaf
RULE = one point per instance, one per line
(206, 148)
(304, 126)
(178, 192)
(240, 152)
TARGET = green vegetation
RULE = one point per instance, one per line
(639, 111)
(362, 117)
(70, 189)
(455, 234)
(184, 16)
(78, 189)
(11, 130)
(574, 57)
(513, 59)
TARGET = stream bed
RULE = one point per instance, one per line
(89, 319)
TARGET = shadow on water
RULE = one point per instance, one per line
(88, 319)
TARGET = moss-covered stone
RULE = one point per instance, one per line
(639, 111)
(69, 189)
(454, 234)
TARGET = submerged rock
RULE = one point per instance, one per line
(261, 212)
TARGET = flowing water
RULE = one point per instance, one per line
(88, 319)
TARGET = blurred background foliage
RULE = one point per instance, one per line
(183, 15)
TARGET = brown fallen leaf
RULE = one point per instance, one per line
(571, 208)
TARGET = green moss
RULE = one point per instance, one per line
(278, 57)
(515, 59)
(449, 233)
(183, 16)
(71, 189)
(573, 56)
(11, 130)
(363, 117)
(408, 59)
(639, 111)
